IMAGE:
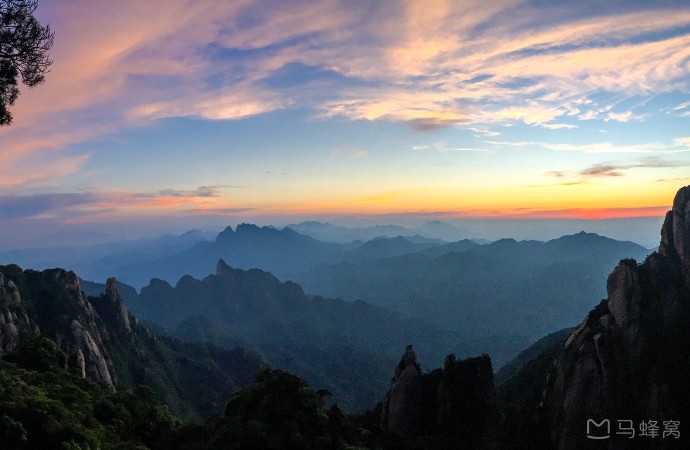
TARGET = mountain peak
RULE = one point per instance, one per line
(675, 233)
(223, 269)
(115, 305)
(248, 228)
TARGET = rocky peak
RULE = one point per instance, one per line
(223, 269)
(249, 228)
(675, 234)
(114, 305)
(225, 236)
(623, 287)
(70, 281)
(403, 401)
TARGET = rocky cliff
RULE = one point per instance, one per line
(52, 304)
(101, 341)
(629, 360)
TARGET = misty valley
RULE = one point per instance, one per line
(271, 338)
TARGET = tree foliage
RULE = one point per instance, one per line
(24, 46)
(44, 406)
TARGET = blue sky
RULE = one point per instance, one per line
(165, 115)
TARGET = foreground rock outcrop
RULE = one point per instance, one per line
(51, 303)
(629, 360)
(401, 407)
(99, 340)
(453, 407)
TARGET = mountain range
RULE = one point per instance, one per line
(495, 297)
(625, 367)
(345, 347)
(510, 288)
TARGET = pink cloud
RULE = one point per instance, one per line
(431, 64)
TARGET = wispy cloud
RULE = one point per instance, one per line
(432, 64)
(201, 191)
(606, 170)
(15, 206)
(607, 147)
(678, 145)
(73, 205)
(620, 117)
(354, 153)
(441, 147)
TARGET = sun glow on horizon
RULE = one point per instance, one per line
(240, 110)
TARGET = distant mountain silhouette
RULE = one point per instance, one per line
(498, 296)
(434, 230)
(101, 261)
(283, 252)
(383, 247)
(344, 347)
(343, 235)
(526, 288)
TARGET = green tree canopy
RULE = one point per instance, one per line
(24, 46)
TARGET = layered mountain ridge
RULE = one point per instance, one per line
(345, 347)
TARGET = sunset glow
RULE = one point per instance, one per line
(224, 112)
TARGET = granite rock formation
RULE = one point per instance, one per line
(630, 358)
(98, 339)
(51, 303)
(401, 407)
(454, 407)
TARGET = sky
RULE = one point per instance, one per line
(167, 115)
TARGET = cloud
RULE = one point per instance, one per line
(483, 132)
(217, 211)
(441, 147)
(463, 55)
(620, 117)
(33, 171)
(431, 64)
(682, 142)
(77, 205)
(16, 206)
(607, 147)
(201, 191)
(678, 145)
(608, 169)
(354, 153)
(603, 170)
(239, 104)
